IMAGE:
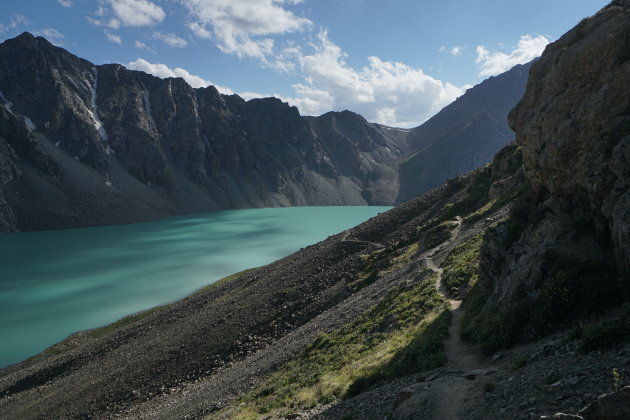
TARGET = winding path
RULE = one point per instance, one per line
(461, 356)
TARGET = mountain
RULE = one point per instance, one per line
(367, 324)
(86, 144)
(83, 145)
(462, 136)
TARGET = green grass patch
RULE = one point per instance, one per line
(602, 335)
(401, 334)
(383, 261)
(461, 267)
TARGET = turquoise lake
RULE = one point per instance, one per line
(55, 283)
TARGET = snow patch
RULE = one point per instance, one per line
(29, 124)
(109, 184)
(98, 124)
(7, 103)
(396, 129)
(147, 107)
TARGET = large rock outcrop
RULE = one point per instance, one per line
(566, 250)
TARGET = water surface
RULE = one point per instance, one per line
(55, 283)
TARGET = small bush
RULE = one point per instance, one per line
(603, 335)
(519, 361)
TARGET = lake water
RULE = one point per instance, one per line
(55, 283)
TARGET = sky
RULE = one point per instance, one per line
(396, 62)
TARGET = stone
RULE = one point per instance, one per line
(403, 396)
(613, 406)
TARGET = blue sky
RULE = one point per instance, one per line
(396, 62)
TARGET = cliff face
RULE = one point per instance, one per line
(103, 144)
(565, 251)
(464, 135)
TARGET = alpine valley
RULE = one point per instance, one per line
(84, 145)
(503, 293)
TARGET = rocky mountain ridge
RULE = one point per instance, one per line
(85, 145)
(368, 323)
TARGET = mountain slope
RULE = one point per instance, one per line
(103, 144)
(462, 136)
(532, 242)
(85, 145)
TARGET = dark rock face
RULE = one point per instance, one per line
(464, 135)
(89, 145)
(103, 144)
(566, 250)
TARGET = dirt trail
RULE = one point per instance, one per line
(344, 238)
(450, 396)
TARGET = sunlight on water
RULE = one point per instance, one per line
(58, 282)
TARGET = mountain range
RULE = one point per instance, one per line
(503, 293)
(83, 145)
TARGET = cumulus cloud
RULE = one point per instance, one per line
(170, 39)
(113, 37)
(127, 13)
(387, 92)
(244, 27)
(66, 3)
(54, 36)
(495, 62)
(455, 51)
(163, 71)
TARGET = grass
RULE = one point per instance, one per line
(461, 266)
(381, 262)
(400, 335)
(603, 335)
(519, 362)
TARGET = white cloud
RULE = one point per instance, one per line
(127, 13)
(495, 62)
(54, 36)
(142, 46)
(163, 71)
(244, 27)
(170, 39)
(15, 21)
(386, 92)
(113, 37)
(65, 3)
(455, 51)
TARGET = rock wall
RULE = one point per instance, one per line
(566, 249)
(103, 144)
